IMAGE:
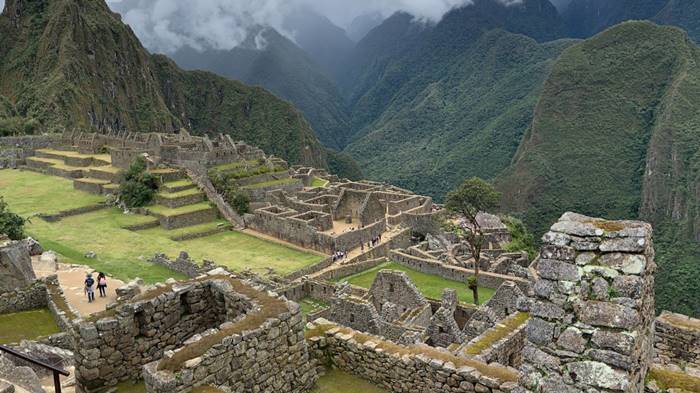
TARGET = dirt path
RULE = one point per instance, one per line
(356, 252)
(72, 281)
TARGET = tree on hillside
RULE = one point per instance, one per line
(11, 224)
(138, 186)
(467, 200)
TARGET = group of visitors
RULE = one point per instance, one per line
(101, 286)
(372, 243)
(338, 255)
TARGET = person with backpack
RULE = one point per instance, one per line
(102, 284)
(89, 290)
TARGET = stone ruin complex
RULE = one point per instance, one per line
(578, 318)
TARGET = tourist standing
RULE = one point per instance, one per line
(89, 290)
(102, 284)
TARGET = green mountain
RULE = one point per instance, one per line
(282, 67)
(616, 133)
(73, 63)
(433, 104)
(682, 13)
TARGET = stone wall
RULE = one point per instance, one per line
(404, 369)
(15, 149)
(29, 297)
(269, 355)
(113, 348)
(590, 326)
(486, 279)
(183, 264)
(677, 341)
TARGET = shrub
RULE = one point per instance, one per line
(225, 185)
(11, 224)
(522, 239)
(138, 186)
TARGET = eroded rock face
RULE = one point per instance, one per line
(593, 307)
(15, 266)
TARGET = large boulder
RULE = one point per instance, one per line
(15, 266)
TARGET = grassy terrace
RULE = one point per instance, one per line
(429, 284)
(183, 193)
(168, 212)
(103, 157)
(27, 325)
(271, 183)
(309, 305)
(124, 253)
(336, 381)
(318, 182)
(178, 183)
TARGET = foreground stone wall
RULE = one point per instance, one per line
(404, 369)
(677, 341)
(591, 319)
(116, 347)
(270, 356)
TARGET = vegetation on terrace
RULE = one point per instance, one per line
(430, 285)
(124, 253)
(337, 381)
(27, 325)
(309, 305)
(277, 182)
(499, 332)
(668, 379)
(414, 350)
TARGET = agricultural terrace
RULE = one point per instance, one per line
(122, 252)
(430, 285)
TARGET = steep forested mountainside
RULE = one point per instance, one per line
(326, 44)
(616, 133)
(425, 96)
(682, 13)
(284, 69)
(73, 63)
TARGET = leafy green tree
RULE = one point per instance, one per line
(467, 200)
(138, 186)
(11, 224)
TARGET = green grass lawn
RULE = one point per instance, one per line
(30, 193)
(124, 253)
(168, 212)
(429, 284)
(336, 381)
(317, 182)
(27, 325)
(271, 183)
(309, 304)
(131, 387)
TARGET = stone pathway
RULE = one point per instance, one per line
(71, 279)
(356, 252)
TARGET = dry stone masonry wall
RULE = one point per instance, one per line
(593, 311)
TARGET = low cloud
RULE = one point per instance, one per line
(167, 25)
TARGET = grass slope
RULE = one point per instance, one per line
(336, 381)
(124, 253)
(27, 325)
(430, 285)
(616, 133)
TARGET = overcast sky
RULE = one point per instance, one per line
(166, 25)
